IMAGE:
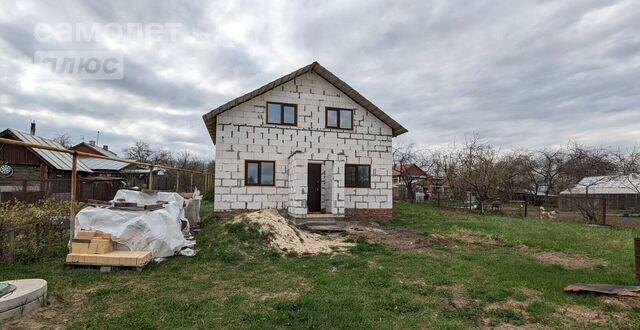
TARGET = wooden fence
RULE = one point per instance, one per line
(59, 189)
(40, 238)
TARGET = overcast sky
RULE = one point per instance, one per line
(520, 73)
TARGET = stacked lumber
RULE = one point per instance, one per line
(96, 248)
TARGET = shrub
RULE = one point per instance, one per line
(31, 231)
(207, 195)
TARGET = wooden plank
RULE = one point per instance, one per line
(74, 195)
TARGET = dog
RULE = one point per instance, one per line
(547, 214)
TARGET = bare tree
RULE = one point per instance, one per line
(140, 151)
(628, 167)
(162, 157)
(407, 163)
(64, 139)
(512, 168)
(589, 166)
(543, 171)
(476, 168)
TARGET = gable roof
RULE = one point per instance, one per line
(56, 159)
(410, 169)
(97, 149)
(210, 117)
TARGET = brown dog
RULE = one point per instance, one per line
(547, 214)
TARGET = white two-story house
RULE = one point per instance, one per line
(307, 143)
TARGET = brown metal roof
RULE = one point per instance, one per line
(210, 117)
(58, 160)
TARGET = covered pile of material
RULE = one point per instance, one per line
(286, 237)
(158, 231)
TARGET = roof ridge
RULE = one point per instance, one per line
(210, 117)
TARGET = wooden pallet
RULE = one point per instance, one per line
(102, 268)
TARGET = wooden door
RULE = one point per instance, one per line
(314, 184)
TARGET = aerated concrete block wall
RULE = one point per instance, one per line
(242, 134)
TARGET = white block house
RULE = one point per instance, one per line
(306, 142)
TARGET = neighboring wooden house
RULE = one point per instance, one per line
(306, 142)
(32, 171)
(408, 173)
(133, 175)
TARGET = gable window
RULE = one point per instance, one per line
(339, 118)
(259, 173)
(357, 176)
(282, 114)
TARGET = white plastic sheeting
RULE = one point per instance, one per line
(157, 231)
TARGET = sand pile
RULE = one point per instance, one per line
(287, 237)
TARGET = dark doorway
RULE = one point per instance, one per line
(314, 184)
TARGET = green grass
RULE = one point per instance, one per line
(235, 281)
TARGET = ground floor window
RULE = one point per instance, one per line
(259, 173)
(357, 176)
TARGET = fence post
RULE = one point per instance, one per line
(191, 181)
(150, 177)
(604, 211)
(10, 245)
(526, 208)
(74, 197)
(177, 181)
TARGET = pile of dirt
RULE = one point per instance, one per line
(435, 240)
(284, 236)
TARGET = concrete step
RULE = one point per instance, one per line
(314, 221)
(337, 227)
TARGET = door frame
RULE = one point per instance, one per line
(319, 187)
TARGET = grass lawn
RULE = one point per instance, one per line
(493, 271)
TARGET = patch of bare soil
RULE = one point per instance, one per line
(515, 305)
(400, 238)
(50, 316)
(531, 296)
(584, 315)
(507, 326)
(622, 302)
(289, 290)
(286, 237)
(563, 259)
(472, 237)
(457, 297)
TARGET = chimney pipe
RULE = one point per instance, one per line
(32, 131)
(92, 143)
(105, 147)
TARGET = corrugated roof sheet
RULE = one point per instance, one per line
(618, 184)
(103, 164)
(100, 150)
(58, 160)
(396, 128)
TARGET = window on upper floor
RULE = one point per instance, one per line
(357, 176)
(339, 118)
(259, 173)
(282, 114)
